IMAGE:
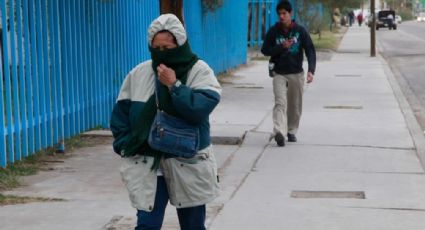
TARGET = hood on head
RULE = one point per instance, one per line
(168, 22)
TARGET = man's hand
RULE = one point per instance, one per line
(310, 77)
(288, 43)
(166, 75)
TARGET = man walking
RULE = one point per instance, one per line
(285, 43)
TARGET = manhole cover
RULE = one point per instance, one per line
(343, 107)
(348, 51)
(328, 194)
(348, 75)
(248, 87)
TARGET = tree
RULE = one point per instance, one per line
(332, 4)
(310, 14)
(172, 6)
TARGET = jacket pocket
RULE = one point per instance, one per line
(140, 181)
(192, 182)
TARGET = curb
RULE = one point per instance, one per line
(412, 124)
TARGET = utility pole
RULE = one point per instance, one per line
(372, 30)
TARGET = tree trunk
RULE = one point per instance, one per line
(172, 6)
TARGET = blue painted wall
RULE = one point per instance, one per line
(218, 37)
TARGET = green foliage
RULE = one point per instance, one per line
(404, 9)
(332, 4)
(326, 41)
(310, 14)
(405, 14)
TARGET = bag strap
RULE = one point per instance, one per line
(156, 92)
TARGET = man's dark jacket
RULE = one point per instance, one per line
(289, 61)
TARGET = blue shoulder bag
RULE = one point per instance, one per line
(172, 135)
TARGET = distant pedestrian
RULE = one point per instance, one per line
(360, 19)
(285, 43)
(391, 22)
(178, 85)
(351, 17)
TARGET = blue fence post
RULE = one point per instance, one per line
(294, 9)
(65, 67)
(108, 56)
(22, 102)
(118, 47)
(75, 68)
(91, 86)
(15, 84)
(252, 23)
(104, 64)
(98, 63)
(273, 15)
(29, 121)
(56, 78)
(35, 121)
(47, 76)
(60, 75)
(3, 153)
(8, 85)
(83, 65)
(80, 66)
(41, 74)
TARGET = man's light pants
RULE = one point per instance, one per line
(288, 95)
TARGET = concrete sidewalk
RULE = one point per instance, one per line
(353, 137)
(355, 165)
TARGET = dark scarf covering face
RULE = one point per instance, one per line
(181, 60)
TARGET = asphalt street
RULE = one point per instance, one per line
(404, 50)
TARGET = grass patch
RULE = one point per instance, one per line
(327, 41)
(260, 58)
(225, 77)
(10, 176)
(75, 143)
(11, 200)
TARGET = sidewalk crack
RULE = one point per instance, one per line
(363, 146)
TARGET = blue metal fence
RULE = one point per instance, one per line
(261, 16)
(218, 37)
(62, 65)
(63, 62)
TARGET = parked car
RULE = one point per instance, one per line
(421, 17)
(386, 18)
(398, 19)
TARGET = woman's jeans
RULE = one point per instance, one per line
(189, 218)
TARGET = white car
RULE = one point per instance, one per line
(421, 17)
(398, 19)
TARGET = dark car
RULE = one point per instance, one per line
(386, 18)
